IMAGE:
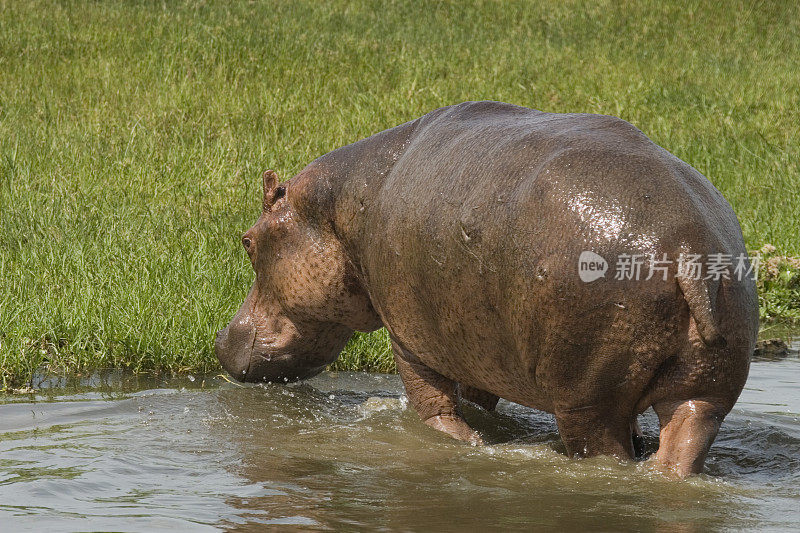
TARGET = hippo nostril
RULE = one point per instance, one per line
(246, 242)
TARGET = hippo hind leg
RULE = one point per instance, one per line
(434, 397)
(589, 431)
(688, 428)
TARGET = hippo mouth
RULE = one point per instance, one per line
(278, 368)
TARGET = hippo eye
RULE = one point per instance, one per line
(246, 242)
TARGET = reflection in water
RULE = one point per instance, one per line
(344, 452)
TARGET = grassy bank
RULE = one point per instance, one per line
(132, 135)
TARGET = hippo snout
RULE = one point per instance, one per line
(246, 360)
(234, 348)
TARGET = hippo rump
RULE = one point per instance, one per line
(502, 248)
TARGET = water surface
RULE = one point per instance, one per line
(343, 451)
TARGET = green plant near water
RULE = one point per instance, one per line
(778, 285)
(133, 134)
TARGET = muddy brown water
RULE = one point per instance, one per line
(115, 452)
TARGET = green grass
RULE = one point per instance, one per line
(779, 286)
(132, 136)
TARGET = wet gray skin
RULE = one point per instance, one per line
(345, 452)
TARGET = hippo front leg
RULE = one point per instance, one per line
(434, 397)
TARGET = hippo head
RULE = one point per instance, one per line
(305, 302)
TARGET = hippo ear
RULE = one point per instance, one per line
(272, 192)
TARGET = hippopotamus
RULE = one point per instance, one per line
(465, 234)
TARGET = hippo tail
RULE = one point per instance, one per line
(701, 296)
